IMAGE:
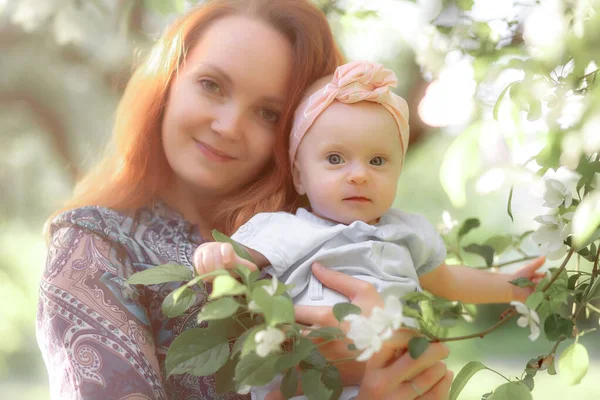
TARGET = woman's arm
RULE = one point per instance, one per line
(92, 330)
(475, 286)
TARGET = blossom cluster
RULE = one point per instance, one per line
(369, 333)
(554, 226)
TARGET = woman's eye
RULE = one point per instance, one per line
(210, 85)
(377, 161)
(334, 159)
(269, 116)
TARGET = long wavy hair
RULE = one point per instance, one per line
(135, 171)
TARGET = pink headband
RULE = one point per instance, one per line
(353, 82)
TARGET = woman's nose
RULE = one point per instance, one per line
(227, 121)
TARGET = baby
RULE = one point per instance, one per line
(347, 148)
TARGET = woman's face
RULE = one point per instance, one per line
(223, 106)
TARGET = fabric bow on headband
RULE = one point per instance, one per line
(353, 82)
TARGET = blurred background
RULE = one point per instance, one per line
(64, 65)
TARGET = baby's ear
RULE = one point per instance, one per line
(297, 177)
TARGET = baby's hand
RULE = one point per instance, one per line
(529, 271)
(215, 255)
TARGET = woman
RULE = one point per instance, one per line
(193, 151)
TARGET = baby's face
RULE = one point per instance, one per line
(349, 162)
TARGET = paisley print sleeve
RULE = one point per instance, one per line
(93, 328)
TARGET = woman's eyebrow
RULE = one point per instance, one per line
(276, 101)
(216, 69)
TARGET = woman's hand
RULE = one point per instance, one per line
(388, 377)
(389, 374)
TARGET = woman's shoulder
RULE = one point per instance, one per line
(95, 219)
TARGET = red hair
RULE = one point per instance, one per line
(136, 172)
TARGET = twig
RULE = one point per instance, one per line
(481, 334)
(510, 311)
(560, 270)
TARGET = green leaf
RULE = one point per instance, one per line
(226, 285)
(276, 309)
(555, 326)
(289, 384)
(254, 370)
(332, 379)
(465, 5)
(467, 226)
(161, 274)
(499, 243)
(417, 296)
(313, 386)
(487, 252)
(465, 374)
(314, 359)
(239, 249)
(178, 301)
(499, 101)
(218, 309)
(534, 300)
(191, 345)
(327, 332)
(586, 219)
(535, 110)
(573, 281)
(340, 310)
(573, 363)
(522, 282)
(303, 348)
(417, 346)
(511, 391)
(204, 364)
(509, 206)
(552, 368)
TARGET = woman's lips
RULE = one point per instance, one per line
(211, 153)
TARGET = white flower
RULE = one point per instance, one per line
(30, 14)
(557, 194)
(272, 288)
(447, 223)
(252, 306)
(550, 236)
(69, 26)
(369, 333)
(268, 340)
(365, 336)
(529, 318)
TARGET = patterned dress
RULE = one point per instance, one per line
(100, 337)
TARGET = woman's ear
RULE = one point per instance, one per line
(297, 177)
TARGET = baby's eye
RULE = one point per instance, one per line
(377, 161)
(210, 85)
(269, 116)
(334, 159)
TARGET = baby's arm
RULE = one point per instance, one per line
(475, 286)
(215, 255)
